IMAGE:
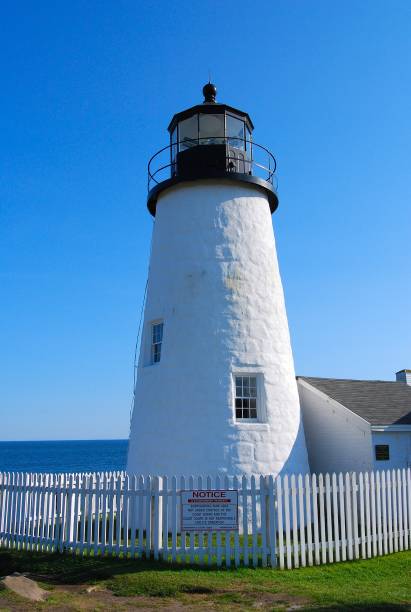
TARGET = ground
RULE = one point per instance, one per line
(75, 583)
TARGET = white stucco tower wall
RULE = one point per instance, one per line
(214, 282)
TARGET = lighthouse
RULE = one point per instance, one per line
(215, 390)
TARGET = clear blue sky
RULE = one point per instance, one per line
(87, 90)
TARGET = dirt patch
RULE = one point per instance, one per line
(268, 600)
(98, 598)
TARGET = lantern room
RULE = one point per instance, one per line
(211, 141)
(210, 124)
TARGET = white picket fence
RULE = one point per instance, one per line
(288, 521)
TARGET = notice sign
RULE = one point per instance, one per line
(212, 510)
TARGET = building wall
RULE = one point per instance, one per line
(404, 376)
(214, 280)
(337, 439)
(400, 449)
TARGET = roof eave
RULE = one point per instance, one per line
(208, 108)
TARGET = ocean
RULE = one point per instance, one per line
(63, 456)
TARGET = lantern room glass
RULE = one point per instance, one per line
(235, 132)
(188, 133)
(248, 143)
(211, 129)
(174, 147)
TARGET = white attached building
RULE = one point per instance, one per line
(357, 425)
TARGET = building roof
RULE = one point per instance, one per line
(377, 401)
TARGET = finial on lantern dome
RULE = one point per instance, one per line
(210, 92)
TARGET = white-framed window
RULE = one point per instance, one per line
(246, 397)
(156, 341)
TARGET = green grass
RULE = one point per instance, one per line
(383, 583)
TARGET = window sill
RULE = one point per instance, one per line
(257, 425)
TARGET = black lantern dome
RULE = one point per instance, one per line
(209, 93)
(209, 141)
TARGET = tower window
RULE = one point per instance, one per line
(382, 452)
(156, 341)
(246, 398)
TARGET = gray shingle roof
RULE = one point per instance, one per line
(377, 401)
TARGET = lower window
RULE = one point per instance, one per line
(246, 398)
(382, 452)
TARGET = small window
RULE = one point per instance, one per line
(156, 341)
(246, 398)
(382, 452)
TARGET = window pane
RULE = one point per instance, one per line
(251, 387)
(235, 132)
(188, 133)
(174, 136)
(156, 353)
(211, 127)
(156, 341)
(248, 144)
(248, 138)
(246, 397)
(382, 452)
(158, 332)
(173, 145)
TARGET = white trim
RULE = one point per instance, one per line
(261, 412)
(391, 428)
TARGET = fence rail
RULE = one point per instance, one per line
(288, 521)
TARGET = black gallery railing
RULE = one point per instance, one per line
(242, 156)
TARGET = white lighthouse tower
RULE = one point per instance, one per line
(216, 389)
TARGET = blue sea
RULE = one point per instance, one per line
(63, 456)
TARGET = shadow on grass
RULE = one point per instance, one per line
(375, 607)
(64, 568)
